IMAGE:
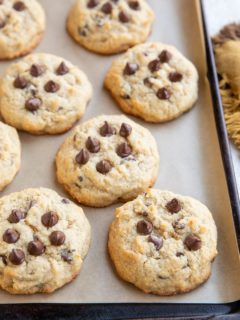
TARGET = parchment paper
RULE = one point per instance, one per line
(190, 164)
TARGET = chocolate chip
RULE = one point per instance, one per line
(125, 130)
(175, 76)
(173, 206)
(134, 5)
(57, 238)
(92, 3)
(2, 23)
(80, 179)
(106, 130)
(20, 82)
(51, 86)
(49, 219)
(178, 225)
(124, 150)
(62, 69)
(179, 254)
(66, 255)
(11, 236)
(2, 256)
(33, 104)
(19, 6)
(165, 56)
(147, 82)
(107, 8)
(156, 240)
(65, 201)
(193, 242)
(125, 96)
(154, 65)
(104, 166)
(1, 1)
(17, 256)
(16, 215)
(123, 17)
(36, 248)
(93, 145)
(163, 94)
(82, 157)
(130, 68)
(36, 70)
(82, 31)
(144, 227)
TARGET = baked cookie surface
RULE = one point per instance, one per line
(153, 81)
(44, 239)
(163, 243)
(43, 93)
(22, 24)
(110, 26)
(10, 154)
(107, 159)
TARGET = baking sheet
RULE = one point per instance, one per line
(190, 164)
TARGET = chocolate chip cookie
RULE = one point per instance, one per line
(110, 26)
(10, 154)
(153, 81)
(107, 159)
(43, 94)
(163, 243)
(22, 24)
(43, 241)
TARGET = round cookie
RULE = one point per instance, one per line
(110, 26)
(10, 154)
(43, 93)
(163, 242)
(43, 241)
(107, 159)
(153, 81)
(22, 24)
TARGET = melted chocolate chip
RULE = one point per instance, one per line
(92, 3)
(163, 94)
(130, 68)
(134, 5)
(57, 238)
(82, 157)
(165, 56)
(175, 76)
(156, 240)
(50, 219)
(15, 216)
(147, 82)
(124, 150)
(107, 8)
(17, 256)
(33, 104)
(36, 248)
(173, 206)
(179, 254)
(193, 242)
(125, 130)
(65, 201)
(104, 166)
(36, 70)
(62, 69)
(93, 145)
(4, 259)
(66, 255)
(11, 236)
(144, 227)
(123, 17)
(106, 130)
(20, 82)
(19, 6)
(154, 65)
(51, 86)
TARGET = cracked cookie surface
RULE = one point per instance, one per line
(43, 241)
(107, 159)
(110, 26)
(43, 93)
(22, 24)
(153, 81)
(163, 243)
(10, 154)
